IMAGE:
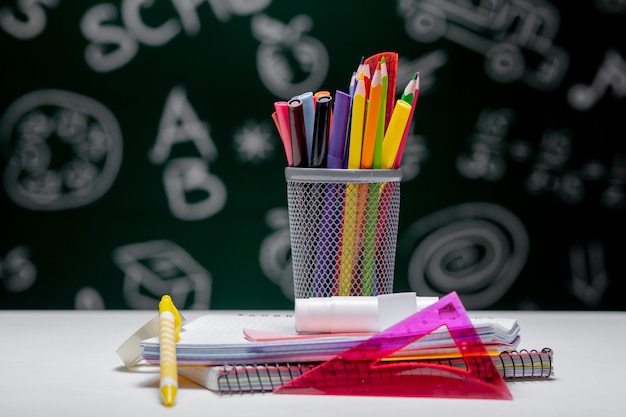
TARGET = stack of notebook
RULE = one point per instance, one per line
(259, 352)
(271, 338)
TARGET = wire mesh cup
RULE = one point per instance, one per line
(344, 230)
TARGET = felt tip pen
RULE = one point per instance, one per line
(321, 129)
(297, 133)
(308, 109)
(338, 131)
(282, 115)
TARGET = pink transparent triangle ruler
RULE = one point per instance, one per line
(361, 369)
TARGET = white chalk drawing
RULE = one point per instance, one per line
(476, 249)
(88, 298)
(427, 65)
(550, 173)
(508, 33)
(180, 124)
(160, 267)
(485, 158)
(27, 19)
(610, 76)
(100, 26)
(183, 176)
(65, 150)
(614, 194)
(225, 9)
(490, 146)
(275, 252)
(17, 271)
(415, 154)
(282, 44)
(255, 142)
(589, 280)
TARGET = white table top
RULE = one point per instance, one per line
(63, 363)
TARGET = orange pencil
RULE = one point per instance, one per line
(372, 119)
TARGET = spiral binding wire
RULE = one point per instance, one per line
(532, 363)
(259, 377)
(511, 365)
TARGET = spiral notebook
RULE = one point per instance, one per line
(511, 365)
(242, 338)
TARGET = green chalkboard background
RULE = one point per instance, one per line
(139, 156)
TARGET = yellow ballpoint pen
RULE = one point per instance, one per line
(169, 323)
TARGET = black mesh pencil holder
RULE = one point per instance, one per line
(344, 230)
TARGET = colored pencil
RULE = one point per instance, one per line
(372, 120)
(356, 125)
(413, 100)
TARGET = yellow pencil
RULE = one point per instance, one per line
(169, 323)
(394, 133)
(347, 240)
(348, 248)
(356, 126)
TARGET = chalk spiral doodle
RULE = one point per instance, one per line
(476, 249)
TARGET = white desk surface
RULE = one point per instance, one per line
(63, 363)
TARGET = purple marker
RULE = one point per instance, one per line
(337, 141)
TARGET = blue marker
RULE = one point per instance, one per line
(308, 107)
